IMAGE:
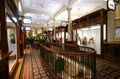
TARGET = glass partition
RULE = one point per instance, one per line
(12, 45)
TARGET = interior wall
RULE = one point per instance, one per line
(117, 19)
(113, 21)
(117, 12)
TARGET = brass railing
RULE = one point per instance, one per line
(69, 61)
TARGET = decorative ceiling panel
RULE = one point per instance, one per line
(44, 5)
(43, 11)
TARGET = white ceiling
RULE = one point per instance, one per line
(42, 12)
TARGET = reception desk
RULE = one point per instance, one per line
(111, 51)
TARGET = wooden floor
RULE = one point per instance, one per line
(33, 68)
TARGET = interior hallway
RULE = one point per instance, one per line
(33, 68)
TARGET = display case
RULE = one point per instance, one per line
(61, 35)
(90, 37)
(91, 30)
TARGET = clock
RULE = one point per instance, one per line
(64, 23)
(111, 4)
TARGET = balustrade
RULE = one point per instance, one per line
(70, 61)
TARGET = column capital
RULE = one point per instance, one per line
(53, 19)
(69, 9)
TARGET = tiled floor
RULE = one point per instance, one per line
(35, 69)
(107, 70)
(39, 70)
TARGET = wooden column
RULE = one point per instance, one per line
(18, 41)
(4, 42)
(42, 33)
(23, 39)
(21, 46)
(4, 73)
(101, 32)
(54, 29)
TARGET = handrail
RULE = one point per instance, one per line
(3, 60)
(73, 53)
(81, 58)
(78, 50)
(4, 65)
(7, 55)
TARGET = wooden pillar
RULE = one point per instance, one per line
(21, 46)
(18, 41)
(4, 43)
(42, 33)
(47, 30)
(76, 37)
(54, 29)
(23, 37)
(101, 32)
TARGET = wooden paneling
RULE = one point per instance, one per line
(90, 19)
(111, 52)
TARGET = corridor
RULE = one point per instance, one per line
(33, 68)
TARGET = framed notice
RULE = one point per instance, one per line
(117, 32)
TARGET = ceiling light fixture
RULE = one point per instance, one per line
(42, 15)
(38, 23)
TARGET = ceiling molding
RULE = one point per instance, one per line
(60, 11)
(70, 4)
(28, 10)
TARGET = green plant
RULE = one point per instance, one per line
(39, 39)
(59, 65)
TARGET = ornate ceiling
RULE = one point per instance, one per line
(44, 11)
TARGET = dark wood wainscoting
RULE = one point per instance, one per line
(111, 52)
